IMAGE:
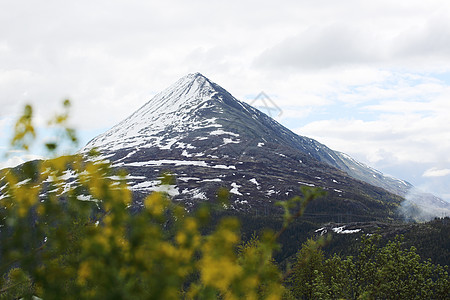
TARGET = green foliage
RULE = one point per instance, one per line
(308, 267)
(389, 272)
(16, 284)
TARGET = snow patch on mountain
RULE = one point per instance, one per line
(235, 189)
(342, 230)
(222, 132)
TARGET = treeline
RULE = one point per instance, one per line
(431, 239)
(375, 272)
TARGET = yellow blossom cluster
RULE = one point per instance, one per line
(66, 224)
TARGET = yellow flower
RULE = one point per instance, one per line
(230, 237)
(155, 204)
(84, 272)
(181, 238)
(219, 273)
(190, 224)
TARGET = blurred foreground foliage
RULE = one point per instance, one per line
(67, 233)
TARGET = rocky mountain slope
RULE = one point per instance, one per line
(209, 139)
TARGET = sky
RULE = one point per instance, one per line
(368, 78)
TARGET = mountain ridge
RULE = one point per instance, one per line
(209, 139)
(307, 145)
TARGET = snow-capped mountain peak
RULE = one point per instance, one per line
(208, 139)
(173, 108)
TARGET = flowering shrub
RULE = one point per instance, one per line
(77, 239)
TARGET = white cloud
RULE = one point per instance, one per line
(359, 76)
(400, 126)
(436, 172)
(17, 160)
(316, 48)
(430, 38)
(412, 138)
(369, 37)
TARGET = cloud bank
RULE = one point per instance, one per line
(368, 78)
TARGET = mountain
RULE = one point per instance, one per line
(208, 139)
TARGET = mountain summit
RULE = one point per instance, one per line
(172, 110)
(209, 139)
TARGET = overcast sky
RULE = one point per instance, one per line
(369, 78)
